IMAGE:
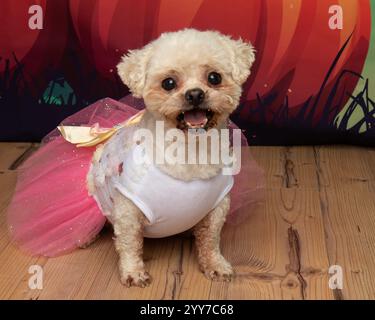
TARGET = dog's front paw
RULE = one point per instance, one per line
(220, 270)
(135, 278)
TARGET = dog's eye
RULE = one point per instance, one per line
(169, 84)
(214, 78)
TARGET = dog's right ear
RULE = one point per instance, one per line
(132, 69)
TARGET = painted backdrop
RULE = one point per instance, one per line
(313, 80)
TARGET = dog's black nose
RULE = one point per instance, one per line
(194, 96)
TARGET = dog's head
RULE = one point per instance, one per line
(189, 78)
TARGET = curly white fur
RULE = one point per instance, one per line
(187, 55)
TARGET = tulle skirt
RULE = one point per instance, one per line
(51, 212)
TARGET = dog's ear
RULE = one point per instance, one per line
(242, 58)
(133, 67)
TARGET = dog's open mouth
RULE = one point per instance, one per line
(195, 119)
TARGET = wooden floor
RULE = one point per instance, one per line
(319, 211)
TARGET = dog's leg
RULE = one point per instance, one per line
(207, 239)
(128, 225)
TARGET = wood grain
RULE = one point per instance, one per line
(319, 211)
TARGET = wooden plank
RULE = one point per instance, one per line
(92, 273)
(280, 251)
(283, 258)
(14, 264)
(14, 270)
(65, 276)
(162, 258)
(7, 184)
(292, 196)
(287, 167)
(318, 212)
(347, 199)
(13, 154)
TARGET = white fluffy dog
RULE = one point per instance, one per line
(188, 79)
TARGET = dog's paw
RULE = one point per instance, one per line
(138, 279)
(219, 271)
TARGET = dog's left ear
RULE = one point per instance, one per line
(132, 69)
(243, 57)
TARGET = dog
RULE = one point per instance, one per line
(188, 79)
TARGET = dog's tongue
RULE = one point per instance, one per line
(195, 117)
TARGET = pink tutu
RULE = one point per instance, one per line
(51, 212)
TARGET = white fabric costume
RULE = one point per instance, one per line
(171, 205)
